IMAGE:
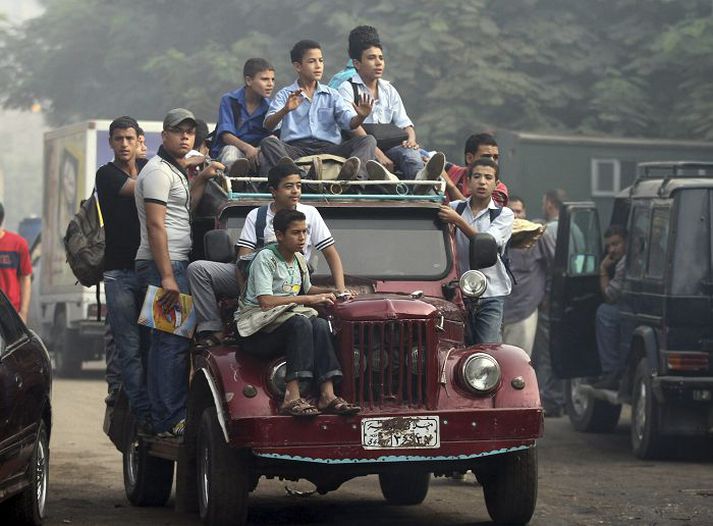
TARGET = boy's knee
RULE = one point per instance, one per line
(299, 326)
(320, 324)
(195, 270)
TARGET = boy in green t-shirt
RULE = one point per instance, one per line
(277, 278)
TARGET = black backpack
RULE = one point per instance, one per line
(84, 243)
(503, 255)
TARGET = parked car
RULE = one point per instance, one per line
(431, 405)
(666, 309)
(25, 420)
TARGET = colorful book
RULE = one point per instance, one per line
(179, 320)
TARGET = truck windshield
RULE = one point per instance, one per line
(394, 243)
(384, 243)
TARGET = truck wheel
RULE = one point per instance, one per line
(147, 479)
(404, 489)
(510, 486)
(587, 413)
(224, 476)
(28, 508)
(66, 362)
(646, 441)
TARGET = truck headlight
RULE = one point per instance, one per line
(473, 283)
(480, 373)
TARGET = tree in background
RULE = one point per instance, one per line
(620, 67)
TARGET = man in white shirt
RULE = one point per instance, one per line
(480, 214)
(209, 279)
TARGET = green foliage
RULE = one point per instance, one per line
(621, 67)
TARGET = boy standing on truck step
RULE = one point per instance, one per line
(368, 58)
(210, 279)
(15, 268)
(164, 200)
(311, 115)
(278, 276)
(241, 115)
(479, 213)
(115, 184)
(477, 146)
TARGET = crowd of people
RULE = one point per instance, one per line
(147, 207)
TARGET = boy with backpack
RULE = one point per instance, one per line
(210, 279)
(480, 214)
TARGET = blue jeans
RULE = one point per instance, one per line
(168, 357)
(485, 318)
(124, 296)
(407, 160)
(608, 336)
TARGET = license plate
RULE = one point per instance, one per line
(401, 432)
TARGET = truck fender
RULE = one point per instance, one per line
(647, 337)
(218, 403)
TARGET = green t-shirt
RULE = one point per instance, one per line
(271, 275)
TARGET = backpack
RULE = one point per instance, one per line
(503, 255)
(84, 243)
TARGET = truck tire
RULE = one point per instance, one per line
(147, 479)
(646, 440)
(510, 486)
(67, 362)
(404, 489)
(28, 508)
(224, 476)
(587, 413)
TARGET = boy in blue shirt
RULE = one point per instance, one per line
(311, 115)
(240, 119)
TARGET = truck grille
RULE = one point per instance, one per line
(388, 363)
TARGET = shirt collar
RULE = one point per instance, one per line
(320, 87)
(356, 79)
(163, 154)
(491, 204)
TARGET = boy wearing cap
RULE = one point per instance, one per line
(163, 201)
(311, 115)
(240, 118)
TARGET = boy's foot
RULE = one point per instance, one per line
(431, 172)
(350, 169)
(240, 168)
(378, 172)
(176, 431)
(298, 407)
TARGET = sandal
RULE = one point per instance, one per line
(207, 341)
(298, 407)
(339, 406)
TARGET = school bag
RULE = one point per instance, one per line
(502, 254)
(84, 243)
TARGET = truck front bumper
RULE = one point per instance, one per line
(326, 439)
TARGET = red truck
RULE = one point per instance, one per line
(431, 405)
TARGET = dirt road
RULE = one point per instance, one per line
(584, 480)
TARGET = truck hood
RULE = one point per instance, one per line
(390, 307)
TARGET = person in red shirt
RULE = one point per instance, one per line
(15, 268)
(478, 146)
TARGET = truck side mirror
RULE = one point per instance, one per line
(483, 251)
(218, 246)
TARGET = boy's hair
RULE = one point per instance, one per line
(615, 230)
(140, 132)
(253, 66)
(556, 197)
(484, 161)
(202, 133)
(473, 142)
(278, 172)
(518, 199)
(123, 123)
(361, 38)
(284, 217)
(299, 49)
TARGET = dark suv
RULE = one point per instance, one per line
(666, 308)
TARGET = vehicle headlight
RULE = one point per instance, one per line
(473, 283)
(480, 373)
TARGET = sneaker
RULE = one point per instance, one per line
(176, 431)
(378, 172)
(240, 168)
(431, 172)
(350, 169)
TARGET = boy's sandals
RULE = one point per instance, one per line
(298, 407)
(339, 406)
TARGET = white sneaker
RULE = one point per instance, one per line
(350, 169)
(378, 172)
(431, 172)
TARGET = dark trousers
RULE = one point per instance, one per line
(307, 343)
(273, 149)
